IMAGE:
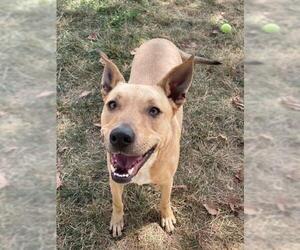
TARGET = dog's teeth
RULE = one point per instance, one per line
(121, 175)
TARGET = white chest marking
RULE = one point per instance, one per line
(143, 176)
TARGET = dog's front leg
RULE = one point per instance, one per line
(167, 217)
(117, 221)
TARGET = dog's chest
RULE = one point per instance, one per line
(143, 176)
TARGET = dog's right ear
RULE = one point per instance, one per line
(177, 82)
(111, 75)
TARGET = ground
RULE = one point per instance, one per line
(208, 190)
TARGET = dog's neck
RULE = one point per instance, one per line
(153, 61)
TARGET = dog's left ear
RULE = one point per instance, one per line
(177, 82)
(111, 75)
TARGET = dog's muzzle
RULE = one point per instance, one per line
(125, 167)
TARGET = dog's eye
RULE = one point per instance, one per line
(154, 111)
(112, 105)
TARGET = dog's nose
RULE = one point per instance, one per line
(122, 136)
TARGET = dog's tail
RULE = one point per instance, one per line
(198, 59)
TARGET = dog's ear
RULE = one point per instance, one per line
(111, 75)
(177, 82)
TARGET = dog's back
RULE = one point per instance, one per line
(153, 60)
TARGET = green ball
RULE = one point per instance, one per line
(271, 28)
(226, 28)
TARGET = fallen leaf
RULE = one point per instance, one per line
(220, 136)
(84, 94)
(293, 175)
(211, 209)
(215, 31)
(281, 204)
(184, 187)
(133, 52)
(239, 175)
(250, 210)
(45, 94)
(266, 137)
(10, 149)
(92, 36)
(3, 181)
(291, 103)
(58, 180)
(232, 207)
(237, 102)
(97, 125)
(58, 174)
(234, 203)
(62, 149)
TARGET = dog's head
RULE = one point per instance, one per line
(136, 119)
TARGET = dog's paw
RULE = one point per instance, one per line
(116, 226)
(168, 223)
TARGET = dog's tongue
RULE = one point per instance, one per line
(124, 161)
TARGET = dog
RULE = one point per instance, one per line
(141, 122)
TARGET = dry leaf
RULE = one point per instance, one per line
(250, 210)
(237, 102)
(58, 180)
(266, 137)
(97, 125)
(215, 31)
(45, 94)
(62, 149)
(84, 94)
(93, 36)
(184, 187)
(10, 149)
(234, 203)
(211, 209)
(291, 103)
(220, 136)
(294, 175)
(232, 207)
(3, 181)
(239, 175)
(280, 206)
(58, 174)
(133, 52)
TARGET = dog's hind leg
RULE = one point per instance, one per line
(167, 217)
(117, 221)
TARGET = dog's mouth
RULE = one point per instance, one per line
(124, 167)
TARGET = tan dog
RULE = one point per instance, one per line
(141, 122)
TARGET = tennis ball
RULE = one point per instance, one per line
(226, 28)
(271, 28)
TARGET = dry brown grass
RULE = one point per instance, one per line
(212, 141)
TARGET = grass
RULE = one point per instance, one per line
(212, 141)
